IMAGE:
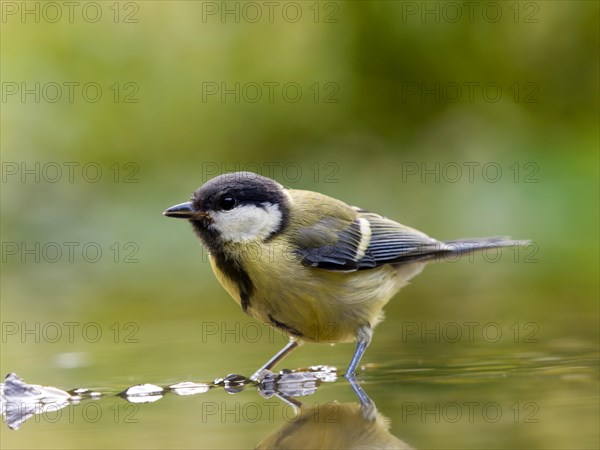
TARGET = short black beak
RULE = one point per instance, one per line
(181, 211)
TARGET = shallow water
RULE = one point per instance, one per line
(432, 395)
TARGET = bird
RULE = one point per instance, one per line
(334, 425)
(307, 264)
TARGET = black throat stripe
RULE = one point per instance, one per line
(235, 271)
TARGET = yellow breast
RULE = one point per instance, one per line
(311, 304)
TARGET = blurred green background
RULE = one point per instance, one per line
(457, 120)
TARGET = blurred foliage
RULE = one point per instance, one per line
(374, 56)
(358, 148)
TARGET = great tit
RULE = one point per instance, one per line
(334, 425)
(307, 264)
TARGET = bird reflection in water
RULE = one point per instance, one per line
(331, 425)
(335, 425)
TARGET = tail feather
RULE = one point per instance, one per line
(440, 250)
(468, 245)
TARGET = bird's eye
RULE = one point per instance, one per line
(227, 203)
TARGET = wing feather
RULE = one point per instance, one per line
(364, 242)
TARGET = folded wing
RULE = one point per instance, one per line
(368, 241)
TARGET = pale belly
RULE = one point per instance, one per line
(316, 305)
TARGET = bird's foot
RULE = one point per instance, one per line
(260, 374)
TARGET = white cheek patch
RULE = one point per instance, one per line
(247, 222)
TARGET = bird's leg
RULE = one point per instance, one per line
(364, 399)
(363, 339)
(292, 402)
(276, 359)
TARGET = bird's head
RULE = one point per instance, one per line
(236, 207)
